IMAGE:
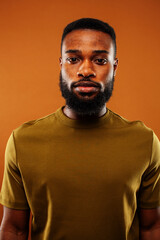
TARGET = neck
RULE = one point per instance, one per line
(70, 113)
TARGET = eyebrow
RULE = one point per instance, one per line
(100, 51)
(78, 51)
(72, 51)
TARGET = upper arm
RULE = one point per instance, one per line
(149, 218)
(15, 220)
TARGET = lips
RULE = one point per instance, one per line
(86, 87)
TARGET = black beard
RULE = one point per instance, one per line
(86, 107)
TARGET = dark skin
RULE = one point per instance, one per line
(99, 66)
(15, 224)
(149, 224)
(86, 54)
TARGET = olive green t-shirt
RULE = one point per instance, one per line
(82, 180)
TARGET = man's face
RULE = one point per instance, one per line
(87, 70)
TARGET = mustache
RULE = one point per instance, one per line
(85, 81)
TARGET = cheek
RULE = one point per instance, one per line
(68, 75)
(68, 72)
(110, 72)
(106, 75)
(64, 73)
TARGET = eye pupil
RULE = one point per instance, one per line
(101, 61)
(98, 60)
(72, 59)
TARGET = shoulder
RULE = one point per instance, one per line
(137, 130)
(36, 127)
(121, 122)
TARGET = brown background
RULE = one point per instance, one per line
(30, 33)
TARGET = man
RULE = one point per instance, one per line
(84, 172)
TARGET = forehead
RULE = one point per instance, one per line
(87, 38)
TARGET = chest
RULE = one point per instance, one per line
(81, 161)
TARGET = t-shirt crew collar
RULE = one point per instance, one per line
(81, 123)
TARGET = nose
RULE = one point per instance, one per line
(86, 69)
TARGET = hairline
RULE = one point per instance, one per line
(92, 29)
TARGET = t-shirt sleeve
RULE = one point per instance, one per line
(12, 193)
(149, 196)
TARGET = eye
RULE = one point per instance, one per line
(72, 60)
(101, 61)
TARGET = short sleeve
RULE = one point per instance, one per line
(149, 196)
(12, 193)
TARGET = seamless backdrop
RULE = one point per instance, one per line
(30, 34)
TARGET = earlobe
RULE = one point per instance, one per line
(114, 74)
(60, 61)
(115, 65)
(116, 62)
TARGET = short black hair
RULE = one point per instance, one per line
(90, 23)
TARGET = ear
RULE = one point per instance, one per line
(115, 65)
(60, 61)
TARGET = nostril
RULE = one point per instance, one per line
(86, 75)
(80, 74)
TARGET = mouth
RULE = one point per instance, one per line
(86, 87)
